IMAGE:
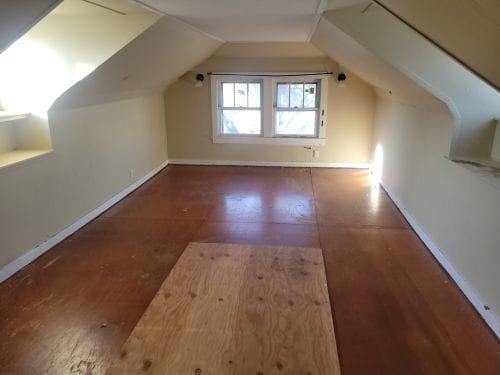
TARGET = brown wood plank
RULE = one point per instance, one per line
(237, 309)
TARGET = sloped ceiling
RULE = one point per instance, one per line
(64, 47)
(17, 17)
(473, 103)
(387, 79)
(152, 61)
(247, 21)
(467, 29)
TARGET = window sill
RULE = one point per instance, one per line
(486, 169)
(270, 141)
(11, 116)
(14, 158)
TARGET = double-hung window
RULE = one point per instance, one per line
(297, 109)
(240, 112)
(269, 109)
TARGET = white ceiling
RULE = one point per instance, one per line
(247, 21)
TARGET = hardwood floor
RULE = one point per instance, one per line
(395, 310)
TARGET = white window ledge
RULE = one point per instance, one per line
(13, 158)
(270, 140)
(486, 169)
(11, 116)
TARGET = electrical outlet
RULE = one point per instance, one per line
(315, 153)
(131, 173)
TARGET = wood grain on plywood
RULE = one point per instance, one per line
(237, 309)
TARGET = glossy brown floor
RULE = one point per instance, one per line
(395, 310)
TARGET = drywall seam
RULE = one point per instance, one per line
(489, 316)
(303, 164)
(39, 250)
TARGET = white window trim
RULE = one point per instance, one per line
(268, 108)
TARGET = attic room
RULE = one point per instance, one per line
(236, 187)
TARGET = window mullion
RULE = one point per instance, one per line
(289, 96)
(267, 99)
(303, 93)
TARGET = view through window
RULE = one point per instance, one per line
(241, 108)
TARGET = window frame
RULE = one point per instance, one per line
(317, 108)
(221, 108)
(268, 108)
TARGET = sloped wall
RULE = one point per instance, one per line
(473, 103)
(458, 210)
(111, 128)
(61, 49)
(152, 61)
(17, 17)
(468, 29)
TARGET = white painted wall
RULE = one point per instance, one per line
(94, 149)
(457, 210)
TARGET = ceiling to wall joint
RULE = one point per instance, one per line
(105, 7)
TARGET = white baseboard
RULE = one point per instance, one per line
(14, 266)
(303, 164)
(489, 316)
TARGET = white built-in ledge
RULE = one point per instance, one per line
(12, 158)
(11, 115)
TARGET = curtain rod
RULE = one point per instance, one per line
(269, 75)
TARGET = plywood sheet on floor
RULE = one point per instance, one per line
(237, 309)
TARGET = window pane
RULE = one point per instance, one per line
(310, 94)
(296, 95)
(254, 95)
(283, 95)
(241, 122)
(296, 123)
(241, 95)
(228, 94)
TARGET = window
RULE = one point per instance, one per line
(272, 110)
(241, 112)
(297, 109)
